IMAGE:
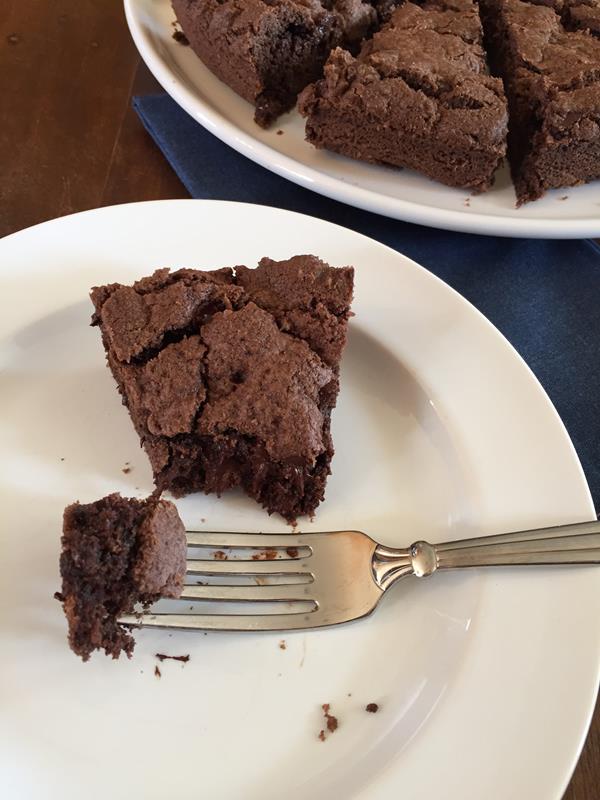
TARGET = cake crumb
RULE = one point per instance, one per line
(163, 657)
(219, 555)
(13, 38)
(181, 38)
(372, 708)
(292, 552)
(282, 645)
(564, 197)
(280, 132)
(62, 459)
(126, 470)
(203, 519)
(157, 672)
(265, 555)
(467, 202)
(349, 694)
(331, 722)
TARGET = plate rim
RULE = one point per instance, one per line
(334, 188)
(540, 392)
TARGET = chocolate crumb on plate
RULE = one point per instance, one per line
(331, 722)
(322, 735)
(163, 657)
(181, 38)
(292, 552)
(157, 672)
(282, 645)
(372, 708)
(219, 555)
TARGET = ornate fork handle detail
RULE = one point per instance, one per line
(564, 544)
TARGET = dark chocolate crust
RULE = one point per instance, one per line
(418, 95)
(117, 552)
(230, 378)
(269, 50)
(550, 63)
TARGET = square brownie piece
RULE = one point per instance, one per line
(550, 63)
(268, 50)
(117, 552)
(230, 376)
(418, 95)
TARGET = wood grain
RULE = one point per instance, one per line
(70, 141)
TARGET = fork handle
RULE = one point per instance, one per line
(563, 544)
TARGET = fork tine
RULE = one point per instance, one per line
(242, 594)
(227, 622)
(224, 567)
(261, 541)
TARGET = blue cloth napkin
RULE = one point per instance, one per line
(543, 295)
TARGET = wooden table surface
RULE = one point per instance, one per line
(69, 141)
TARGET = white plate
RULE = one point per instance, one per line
(486, 680)
(401, 194)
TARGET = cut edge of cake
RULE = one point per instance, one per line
(549, 62)
(117, 552)
(268, 52)
(418, 95)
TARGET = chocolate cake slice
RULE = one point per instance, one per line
(418, 95)
(230, 377)
(268, 50)
(117, 552)
(551, 72)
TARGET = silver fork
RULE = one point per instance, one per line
(329, 578)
